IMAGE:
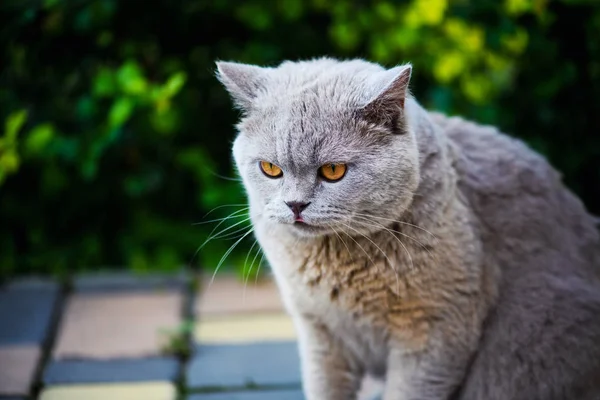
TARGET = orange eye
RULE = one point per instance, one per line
(332, 172)
(271, 170)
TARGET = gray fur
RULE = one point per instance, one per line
(450, 258)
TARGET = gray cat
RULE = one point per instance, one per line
(437, 253)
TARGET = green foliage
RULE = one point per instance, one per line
(176, 341)
(116, 135)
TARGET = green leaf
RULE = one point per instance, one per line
(38, 138)
(138, 261)
(345, 35)
(13, 124)
(50, 3)
(120, 112)
(104, 83)
(89, 169)
(291, 9)
(255, 16)
(86, 107)
(104, 38)
(174, 84)
(131, 78)
(83, 20)
(165, 122)
(135, 86)
(9, 161)
(166, 259)
(65, 147)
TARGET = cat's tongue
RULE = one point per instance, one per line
(299, 219)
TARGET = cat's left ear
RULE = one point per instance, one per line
(388, 103)
(242, 81)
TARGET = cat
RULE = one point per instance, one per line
(436, 253)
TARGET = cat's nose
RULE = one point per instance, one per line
(297, 207)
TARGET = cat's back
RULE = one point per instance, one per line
(541, 339)
(524, 207)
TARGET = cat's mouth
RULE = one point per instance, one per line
(304, 227)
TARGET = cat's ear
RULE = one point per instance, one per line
(388, 103)
(242, 81)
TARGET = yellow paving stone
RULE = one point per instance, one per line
(244, 328)
(121, 391)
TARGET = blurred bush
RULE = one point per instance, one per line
(116, 134)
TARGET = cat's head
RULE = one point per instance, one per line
(324, 145)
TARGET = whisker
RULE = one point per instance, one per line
(259, 251)
(231, 248)
(217, 237)
(358, 244)
(211, 237)
(227, 178)
(226, 205)
(258, 268)
(382, 252)
(341, 240)
(412, 265)
(234, 214)
(231, 235)
(399, 222)
(247, 276)
(378, 225)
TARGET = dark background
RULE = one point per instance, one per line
(116, 135)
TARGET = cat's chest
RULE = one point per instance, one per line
(332, 280)
(363, 333)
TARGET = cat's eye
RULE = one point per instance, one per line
(271, 170)
(332, 172)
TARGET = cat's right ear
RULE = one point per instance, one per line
(387, 106)
(242, 81)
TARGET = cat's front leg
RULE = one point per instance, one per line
(329, 372)
(431, 374)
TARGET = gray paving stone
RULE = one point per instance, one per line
(267, 363)
(32, 282)
(26, 309)
(110, 371)
(125, 281)
(254, 395)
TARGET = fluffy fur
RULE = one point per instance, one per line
(450, 259)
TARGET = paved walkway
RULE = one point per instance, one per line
(122, 337)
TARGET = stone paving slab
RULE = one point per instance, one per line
(265, 363)
(124, 281)
(18, 365)
(245, 328)
(254, 395)
(130, 391)
(117, 325)
(111, 371)
(230, 295)
(26, 308)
